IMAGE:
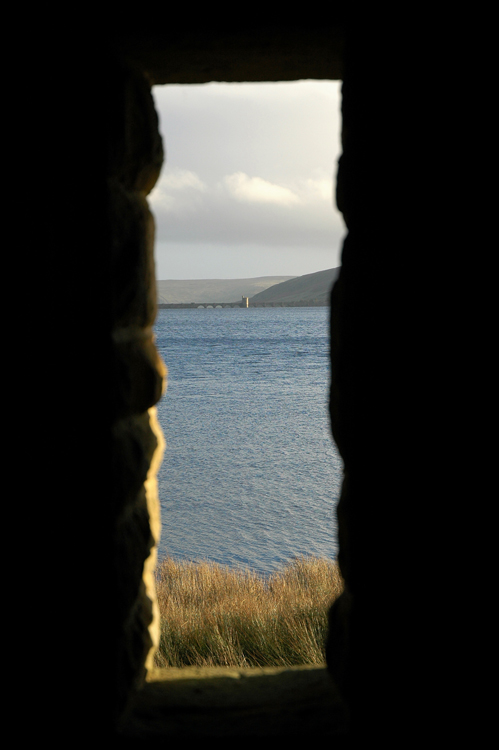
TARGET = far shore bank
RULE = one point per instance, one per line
(226, 305)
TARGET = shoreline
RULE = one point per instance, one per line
(237, 305)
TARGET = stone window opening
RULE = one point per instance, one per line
(406, 399)
(136, 169)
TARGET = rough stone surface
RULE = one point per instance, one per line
(225, 702)
(134, 163)
(131, 226)
(135, 148)
(215, 51)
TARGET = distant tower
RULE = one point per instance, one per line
(245, 302)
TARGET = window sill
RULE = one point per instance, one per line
(225, 701)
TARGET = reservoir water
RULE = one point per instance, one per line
(250, 475)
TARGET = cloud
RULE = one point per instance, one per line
(319, 189)
(239, 209)
(257, 190)
(182, 179)
(176, 191)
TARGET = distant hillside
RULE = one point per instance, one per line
(214, 290)
(310, 287)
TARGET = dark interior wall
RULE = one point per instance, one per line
(267, 49)
(380, 399)
(400, 407)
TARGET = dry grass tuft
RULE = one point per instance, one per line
(217, 616)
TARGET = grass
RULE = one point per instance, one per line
(213, 615)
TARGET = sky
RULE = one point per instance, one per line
(247, 187)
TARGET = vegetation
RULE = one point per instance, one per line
(217, 616)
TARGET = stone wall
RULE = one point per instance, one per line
(393, 403)
(374, 357)
(135, 160)
(403, 644)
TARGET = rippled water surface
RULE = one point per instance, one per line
(250, 475)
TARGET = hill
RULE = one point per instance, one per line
(214, 290)
(310, 287)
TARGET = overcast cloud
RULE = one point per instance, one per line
(247, 188)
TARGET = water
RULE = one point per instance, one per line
(250, 475)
